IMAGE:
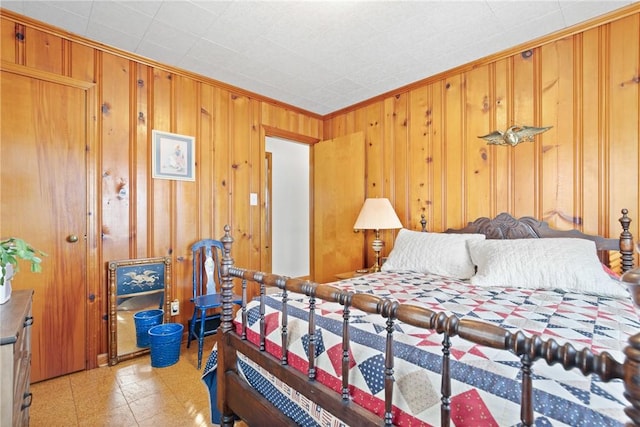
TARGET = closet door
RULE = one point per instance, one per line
(43, 200)
(338, 194)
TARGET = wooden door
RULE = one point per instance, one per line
(43, 200)
(338, 194)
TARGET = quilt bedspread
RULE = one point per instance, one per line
(485, 382)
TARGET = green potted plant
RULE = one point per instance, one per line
(12, 250)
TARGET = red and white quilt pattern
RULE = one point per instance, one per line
(485, 382)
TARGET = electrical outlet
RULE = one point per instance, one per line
(175, 307)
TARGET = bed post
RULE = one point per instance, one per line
(626, 242)
(226, 285)
(226, 358)
(632, 352)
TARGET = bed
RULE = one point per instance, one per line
(458, 329)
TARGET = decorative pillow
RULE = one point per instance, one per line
(610, 272)
(570, 264)
(437, 253)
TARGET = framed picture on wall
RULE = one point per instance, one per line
(173, 156)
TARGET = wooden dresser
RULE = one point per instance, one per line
(15, 359)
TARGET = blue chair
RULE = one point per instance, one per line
(206, 299)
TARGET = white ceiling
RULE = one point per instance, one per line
(320, 56)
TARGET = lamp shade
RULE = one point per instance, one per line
(377, 214)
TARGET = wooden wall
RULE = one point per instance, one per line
(143, 217)
(423, 150)
(421, 143)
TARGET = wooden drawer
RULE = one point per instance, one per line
(22, 397)
(15, 359)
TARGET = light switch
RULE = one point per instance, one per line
(253, 199)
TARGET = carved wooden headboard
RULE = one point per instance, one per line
(505, 226)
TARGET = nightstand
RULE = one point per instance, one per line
(351, 274)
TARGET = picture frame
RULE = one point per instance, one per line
(173, 156)
(135, 286)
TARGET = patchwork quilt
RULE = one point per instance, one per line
(485, 382)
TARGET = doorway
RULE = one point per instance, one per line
(287, 202)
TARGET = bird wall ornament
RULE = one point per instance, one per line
(514, 135)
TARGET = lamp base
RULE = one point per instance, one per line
(377, 246)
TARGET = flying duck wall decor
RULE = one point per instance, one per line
(514, 135)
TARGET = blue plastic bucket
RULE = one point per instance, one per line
(144, 320)
(165, 344)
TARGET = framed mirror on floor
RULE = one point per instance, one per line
(139, 298)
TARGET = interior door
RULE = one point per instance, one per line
(338, 194)
(43, 200)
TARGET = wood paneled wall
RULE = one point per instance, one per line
(423, 150)
(138, 216)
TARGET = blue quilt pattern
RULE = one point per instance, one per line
(485, 382)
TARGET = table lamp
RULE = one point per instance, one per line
(377, 214)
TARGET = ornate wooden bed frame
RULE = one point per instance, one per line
(237, 399)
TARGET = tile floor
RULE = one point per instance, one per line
(131, 393)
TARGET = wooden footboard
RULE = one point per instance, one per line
(246, 403)
(236, 398)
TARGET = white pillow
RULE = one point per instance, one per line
(437, 253)
(570, 264)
